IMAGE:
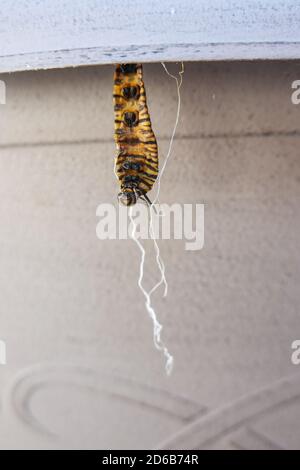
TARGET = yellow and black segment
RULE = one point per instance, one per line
(136, 163)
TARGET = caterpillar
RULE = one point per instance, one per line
(136, 162)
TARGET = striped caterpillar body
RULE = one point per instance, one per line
(136, 163)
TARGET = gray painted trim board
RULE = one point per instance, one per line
(49, 34)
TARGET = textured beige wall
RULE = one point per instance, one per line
(81, 368)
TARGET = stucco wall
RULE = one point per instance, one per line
(80, 358)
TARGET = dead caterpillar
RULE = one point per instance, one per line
(136, 163)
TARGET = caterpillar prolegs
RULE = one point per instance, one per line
(136, 163)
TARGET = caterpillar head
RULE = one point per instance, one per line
(127, 197)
